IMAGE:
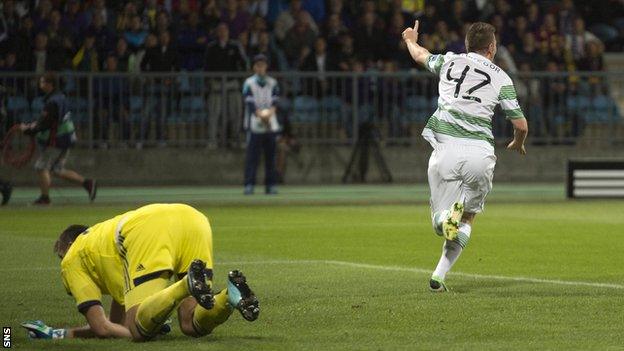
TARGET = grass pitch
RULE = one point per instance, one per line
(343, 268)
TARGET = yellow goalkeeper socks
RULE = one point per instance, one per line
(204, 321)
(154, 310)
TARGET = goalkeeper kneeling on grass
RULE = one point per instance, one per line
(55, 135)
(133, 257)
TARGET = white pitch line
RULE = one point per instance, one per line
(379, 267)
(428, 271)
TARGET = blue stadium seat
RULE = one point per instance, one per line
(192, 109)
(417, 109)
(36, 106)
(18, 108)
(305, 109)
(184, 83)
(332, 109)
(136, 108)
(603, 110)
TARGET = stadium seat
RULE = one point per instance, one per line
(18, 108)
(36, 106)
(136, 108)
(79, 108)
(603, 110)
(305, 109)
(192, 109)
(417, 109)
(332, 109)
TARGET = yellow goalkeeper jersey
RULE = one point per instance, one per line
(92, 266)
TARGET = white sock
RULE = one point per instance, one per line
(451, 251)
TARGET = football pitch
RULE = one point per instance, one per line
(347, 268)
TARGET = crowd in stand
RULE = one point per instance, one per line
(301, 35)
(308, 35)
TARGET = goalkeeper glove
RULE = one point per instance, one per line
(39, 330)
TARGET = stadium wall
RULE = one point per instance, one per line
(314, 165)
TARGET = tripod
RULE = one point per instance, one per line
(367, 142)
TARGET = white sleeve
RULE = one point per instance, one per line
(508, 100)
(434, 63)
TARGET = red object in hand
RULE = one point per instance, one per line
(17, 148)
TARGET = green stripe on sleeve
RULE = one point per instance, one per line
(507, 92)
(514, 114)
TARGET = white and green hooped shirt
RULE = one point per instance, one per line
(470, 87)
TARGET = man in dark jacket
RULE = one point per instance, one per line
(225, 55)
(55, 135)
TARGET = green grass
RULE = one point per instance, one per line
(297, 250)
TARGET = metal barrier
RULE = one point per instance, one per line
(187, 109)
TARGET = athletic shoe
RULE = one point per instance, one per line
(42, 200)
(450, 226)
(90, 185)
(272, 190)
(437, 285)
(199, 284)
(6, 189)
(249, 190)
(241, 297)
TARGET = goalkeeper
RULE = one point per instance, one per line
(132, 257)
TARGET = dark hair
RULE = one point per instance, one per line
(479, 37)
(50, 78)
(68, 236)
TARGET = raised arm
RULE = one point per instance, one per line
(418, 53)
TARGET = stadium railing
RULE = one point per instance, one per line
(195, 109)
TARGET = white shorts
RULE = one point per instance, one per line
(460, 173)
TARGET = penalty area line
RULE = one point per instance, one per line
(428, 271)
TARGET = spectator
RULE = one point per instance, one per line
(162, 58)
(346, 54)
(60, 44)
(22, 44)
(86, 59)
(299, 41)
(258, 26)
(261, 94)
(369, 42)
(103, 35)
(122, 54)
(428, 19)
(191, 43)
(265, 48)
(106, 15)
(9, 24)
(40, 54)
(258, 8)
(236, 18)
(126, 17)
(74, 20)
(211, 16)
(150, 13)
(225, 55)
(394, 40)
(577, 41)
(42, 16)
(111, 103)
(320, 61)
(336, 8)
(332, 31)
(135, 35)
(163, 24)
(287, 19)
